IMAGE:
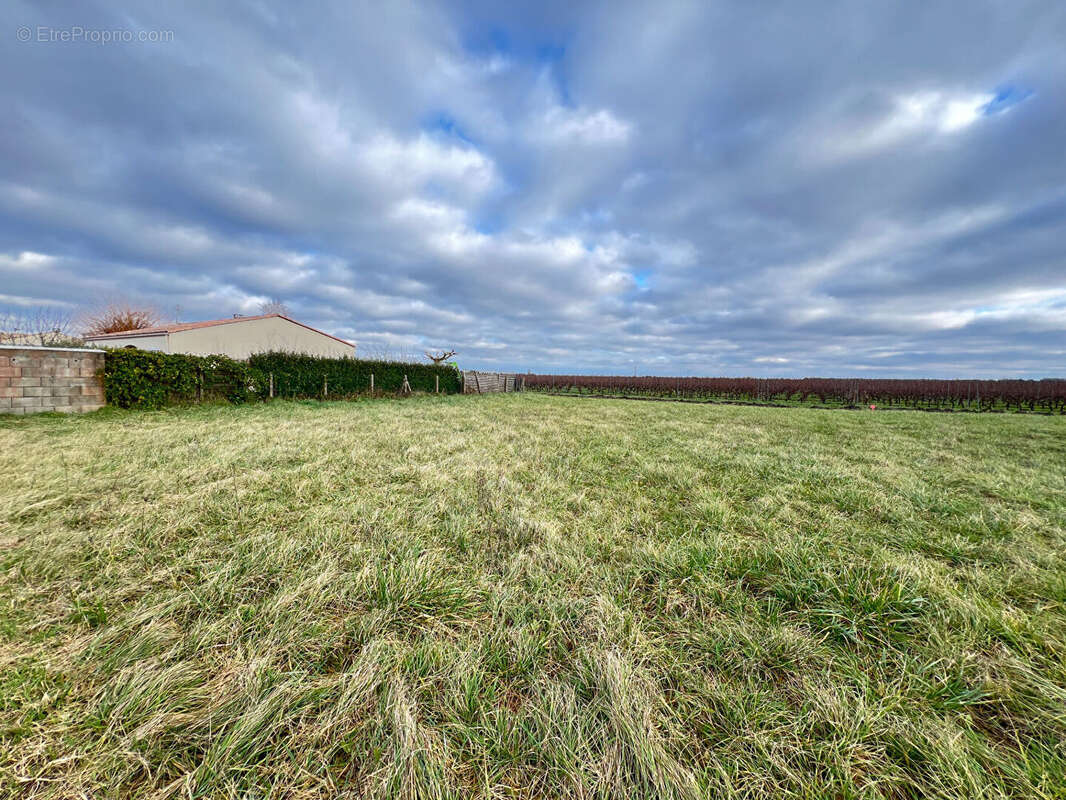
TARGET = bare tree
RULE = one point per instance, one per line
(274, 306)
(383, 351)
(374, 351)
(441, 357)
(42, 326)
(117, 315)
(406, 354)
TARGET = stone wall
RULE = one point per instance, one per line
(36, 379)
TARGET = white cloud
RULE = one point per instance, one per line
(413, 162)
(581, 125)
(340, 146)
(26, 260)
(428, 214)
(21, 301)
(941, 111)
(911, 114)
(319, 123)
(944, 320)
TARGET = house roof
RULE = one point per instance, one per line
(177, 327)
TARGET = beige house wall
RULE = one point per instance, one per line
(156, 342)
(240, 339)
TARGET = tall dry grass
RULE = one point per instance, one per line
(524, 596)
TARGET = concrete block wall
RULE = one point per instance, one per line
(36, 379)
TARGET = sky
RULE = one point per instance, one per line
(831, 189)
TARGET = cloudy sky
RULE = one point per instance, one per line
(706, 188)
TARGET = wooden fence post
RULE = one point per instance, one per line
(325, 387)
(199, 385)
(436, 384)
(406, 386)
(371, 383)
(271, 385)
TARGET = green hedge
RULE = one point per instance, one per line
(306, 376)
(147, 379)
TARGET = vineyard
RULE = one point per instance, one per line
(1046, 396)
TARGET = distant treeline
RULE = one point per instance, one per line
(1047, 395)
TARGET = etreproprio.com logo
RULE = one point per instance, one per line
(77, 34)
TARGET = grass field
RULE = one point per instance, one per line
(524, 596)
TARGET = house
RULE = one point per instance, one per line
(237, 337)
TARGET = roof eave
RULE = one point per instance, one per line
(124, 335)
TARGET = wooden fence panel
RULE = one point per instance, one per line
(491, 382)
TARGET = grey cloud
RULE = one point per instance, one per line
(604, 187)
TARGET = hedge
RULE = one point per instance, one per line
(148, 379)
(307, 376)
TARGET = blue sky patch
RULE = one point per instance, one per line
(642, 278)
(443, 123)
(1006, 97)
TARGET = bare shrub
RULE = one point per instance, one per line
(119, 315)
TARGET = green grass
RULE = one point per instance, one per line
(525, 596)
